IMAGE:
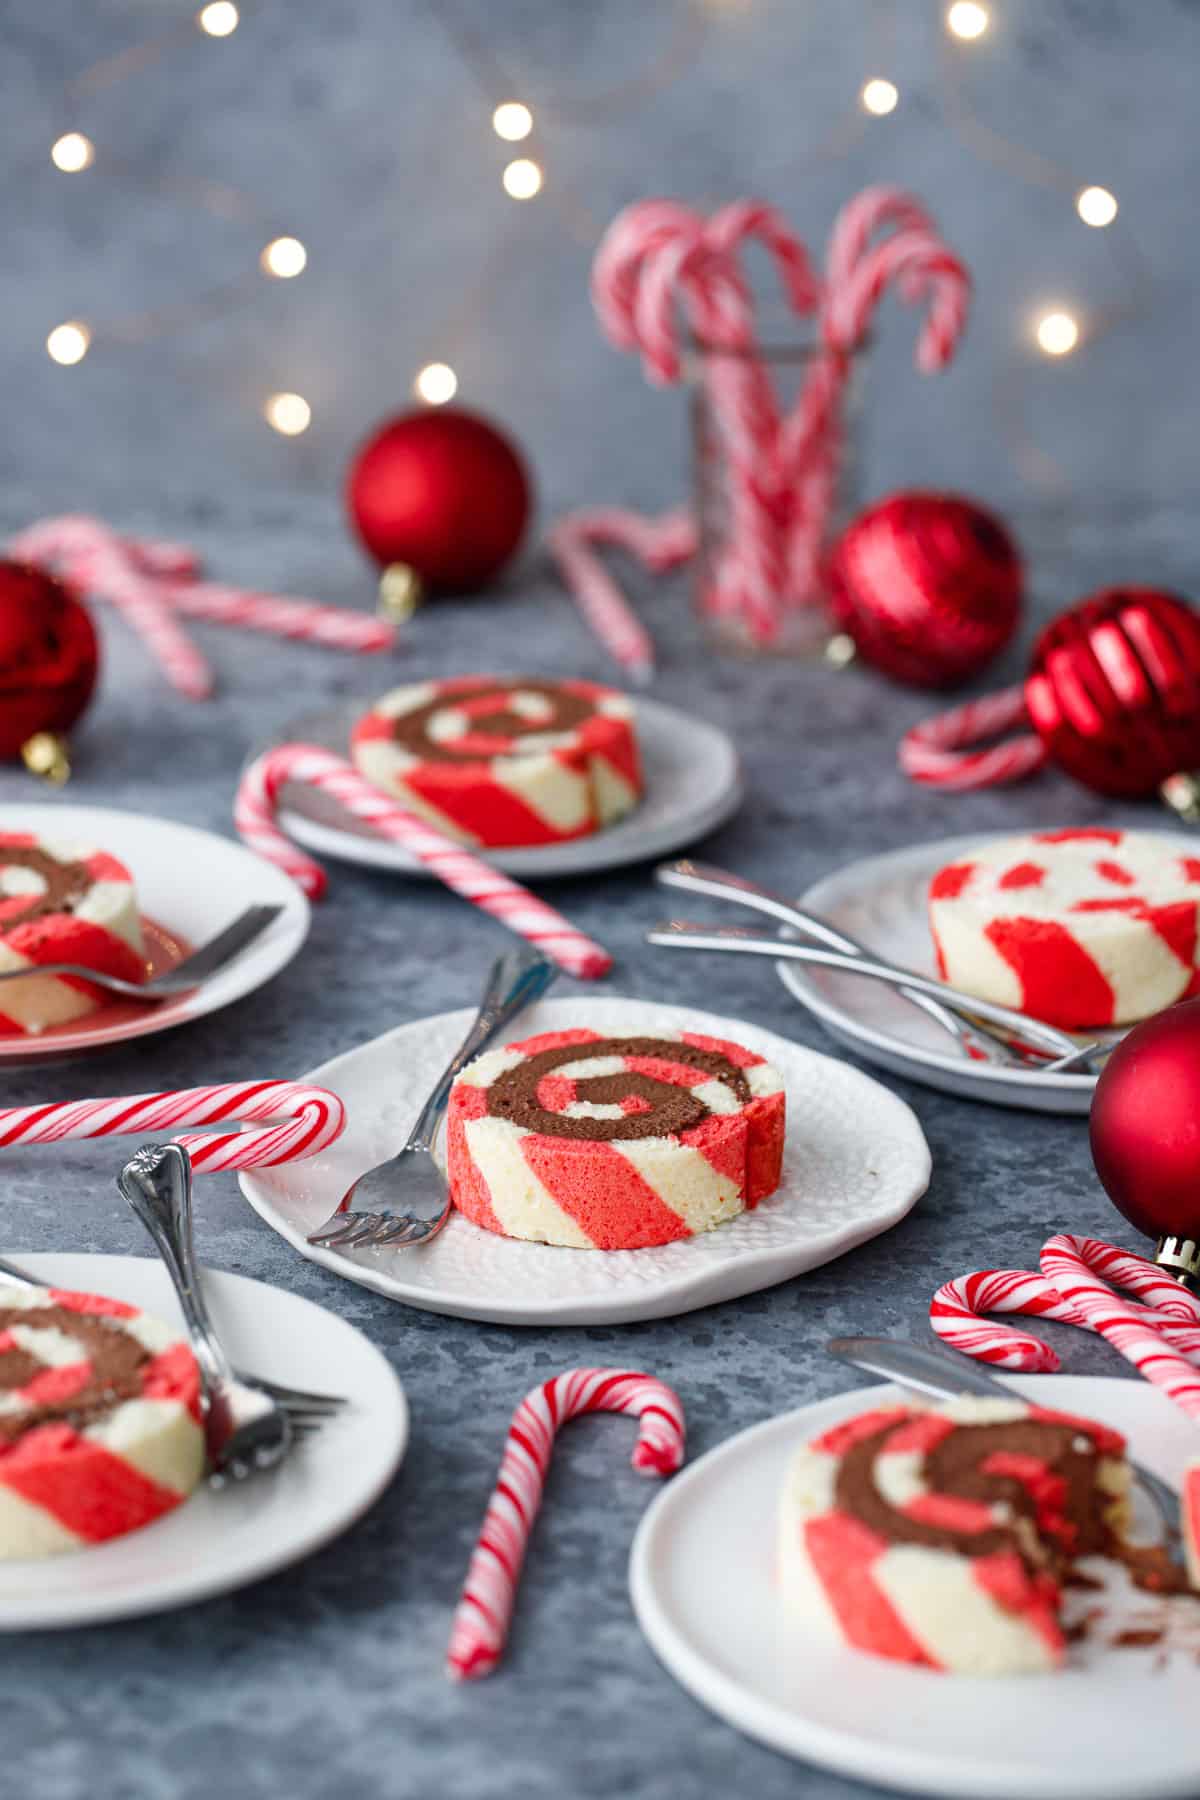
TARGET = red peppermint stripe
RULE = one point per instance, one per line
(944, 751)
(483, 1614)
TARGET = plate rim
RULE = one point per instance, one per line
(199, 1583)
(648, 1303)
(919, 1772)
(549, 862)
(1068, 1087)
(296, 920)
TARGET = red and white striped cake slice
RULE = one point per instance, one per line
(102, 930)
(620, 1193)
(491, 787)
(65, 1485)
(939, 1607)
(1084, 927)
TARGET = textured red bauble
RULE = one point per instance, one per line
(442, 491)
(1145, 1124)
(1114, 690)
(48, 656)
(928, 586)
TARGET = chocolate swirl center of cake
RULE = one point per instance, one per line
(63, 884)
(667, 1110)
(498, 720)
(114, 1362)
(985, 1464)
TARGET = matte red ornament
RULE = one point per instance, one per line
(1113, 690)
(48, 656)
(928, 586)
(442, 492)
(1145, 1130)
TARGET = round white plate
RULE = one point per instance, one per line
(693, 784)
(881, 901)
(1115, 1724)
(855, 1163)
(223, 1538)
(190, 882)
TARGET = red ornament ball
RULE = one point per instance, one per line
(928, 586)
(1114, 690)
(48, 656)
(1145, 1126)
(442, 491)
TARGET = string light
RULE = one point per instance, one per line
(220, 18)
(68, 343)
(1096, 206)
(879, 97)
(522, 178)
(72, 152)
(512, 121)
(436, 383)
(289, 414)
(1057, 333)
(283, 257)
(967, 19)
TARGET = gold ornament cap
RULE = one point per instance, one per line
(1180, 1258)
(45, 754)
(1182, 794)
(401, 591)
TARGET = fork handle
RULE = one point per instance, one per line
(517, 979)
(157, 1183)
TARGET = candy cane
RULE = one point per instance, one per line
(482, 1617)
(254, 817)
(940, 752)
(304, 1120)
(151, 581)
(1159, 1332)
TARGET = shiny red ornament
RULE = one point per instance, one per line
(928, 586)
(442, 492)
(48, 656)
(1145, 1125)
(1113, 690)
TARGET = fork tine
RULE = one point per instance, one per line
(334, 1225)
(360, 1230)
(403, 1230)
(290, 1396)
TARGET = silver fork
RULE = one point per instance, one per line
(945, 1376)
(680, 934)
(412, 1177)
(975, 1036)
(306, 1404)
(246, 1430)
(198, 967)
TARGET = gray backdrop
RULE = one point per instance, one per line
(363, 126)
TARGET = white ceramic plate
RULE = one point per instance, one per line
(223, 1538)
(189, 882)
(693, 784)
(881, 901)
(1115, 1724)
(856, 1162)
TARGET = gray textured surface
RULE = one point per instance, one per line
(356, 127)
(331, 1673)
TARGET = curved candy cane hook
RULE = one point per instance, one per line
(482, 1617)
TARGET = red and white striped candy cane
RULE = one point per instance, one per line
(1152, 1338)
(957, 1308)
(1159, 1331)
(91, 557)
(514, 906)
(302, 1120)
(150, 581)
(482, 1617)
(943, 751)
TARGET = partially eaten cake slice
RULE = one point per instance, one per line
(943, 1536)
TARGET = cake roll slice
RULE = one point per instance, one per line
(59, 904)
(502, 761)
(100, 1420)
(613, 1143)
